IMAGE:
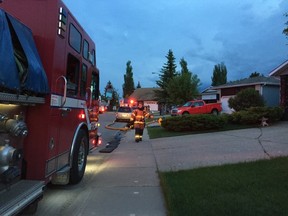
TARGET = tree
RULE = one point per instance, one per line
(285, 31)
(184, 67)
(138, 85)
(115, 100)
(110, 89)
(111, 96)
(128, 86)
(167, 72)
(183, 87)
(246, 98)
(255, 74)
(219, 75)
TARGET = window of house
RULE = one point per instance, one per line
(75, 38)
(72, 74)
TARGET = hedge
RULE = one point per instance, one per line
(253, 115)
(201, 122)
(193, 122)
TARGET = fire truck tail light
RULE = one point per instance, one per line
(96, 142)
(81, 116)
(93, 142)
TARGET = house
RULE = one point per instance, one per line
(147, 95)
(268, 87)
(210, 95)
(282, 72)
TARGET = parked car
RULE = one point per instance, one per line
(197, 107)
(123, 114)
(102, 109)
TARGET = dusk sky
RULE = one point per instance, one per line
(246, 35)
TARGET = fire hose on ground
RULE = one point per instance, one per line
(129, 126)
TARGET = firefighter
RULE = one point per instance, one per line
(138, 117)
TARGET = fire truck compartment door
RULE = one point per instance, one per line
(8, 70)
(33, 77)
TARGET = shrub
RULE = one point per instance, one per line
(245, 99)
(250, 116)
(253, 115)
(194, 122)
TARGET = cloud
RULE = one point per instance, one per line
(246, 35)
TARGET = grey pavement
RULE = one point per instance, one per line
(209, 149)
(129, 184)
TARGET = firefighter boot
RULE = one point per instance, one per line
(137, 138)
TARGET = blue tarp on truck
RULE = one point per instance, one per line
(21, 69)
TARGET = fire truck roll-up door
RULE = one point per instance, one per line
(17, 46)
(21, 74)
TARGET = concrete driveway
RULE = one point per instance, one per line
(191, 151)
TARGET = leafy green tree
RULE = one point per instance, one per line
(108, 90)
(167, 72)
(128, 86)
(114, 99)
(255, 74)
(246, 98)
(138, 85)
(183, 87)
(285, 31)
(219, 75)
(184, 67)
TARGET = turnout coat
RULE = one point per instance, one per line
(138, 117)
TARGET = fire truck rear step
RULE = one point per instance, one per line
(20, 195)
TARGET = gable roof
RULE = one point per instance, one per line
(280, 70)
(144, 94)
(260, 80)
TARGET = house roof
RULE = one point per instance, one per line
(144, 94)
(209, 90)
(260, 80)
(280, 70)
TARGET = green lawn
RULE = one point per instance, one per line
(244, 189)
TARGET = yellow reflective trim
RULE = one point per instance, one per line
(138, 122)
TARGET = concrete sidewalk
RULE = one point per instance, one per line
(128, 183)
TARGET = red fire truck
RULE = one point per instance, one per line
(49, 86)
